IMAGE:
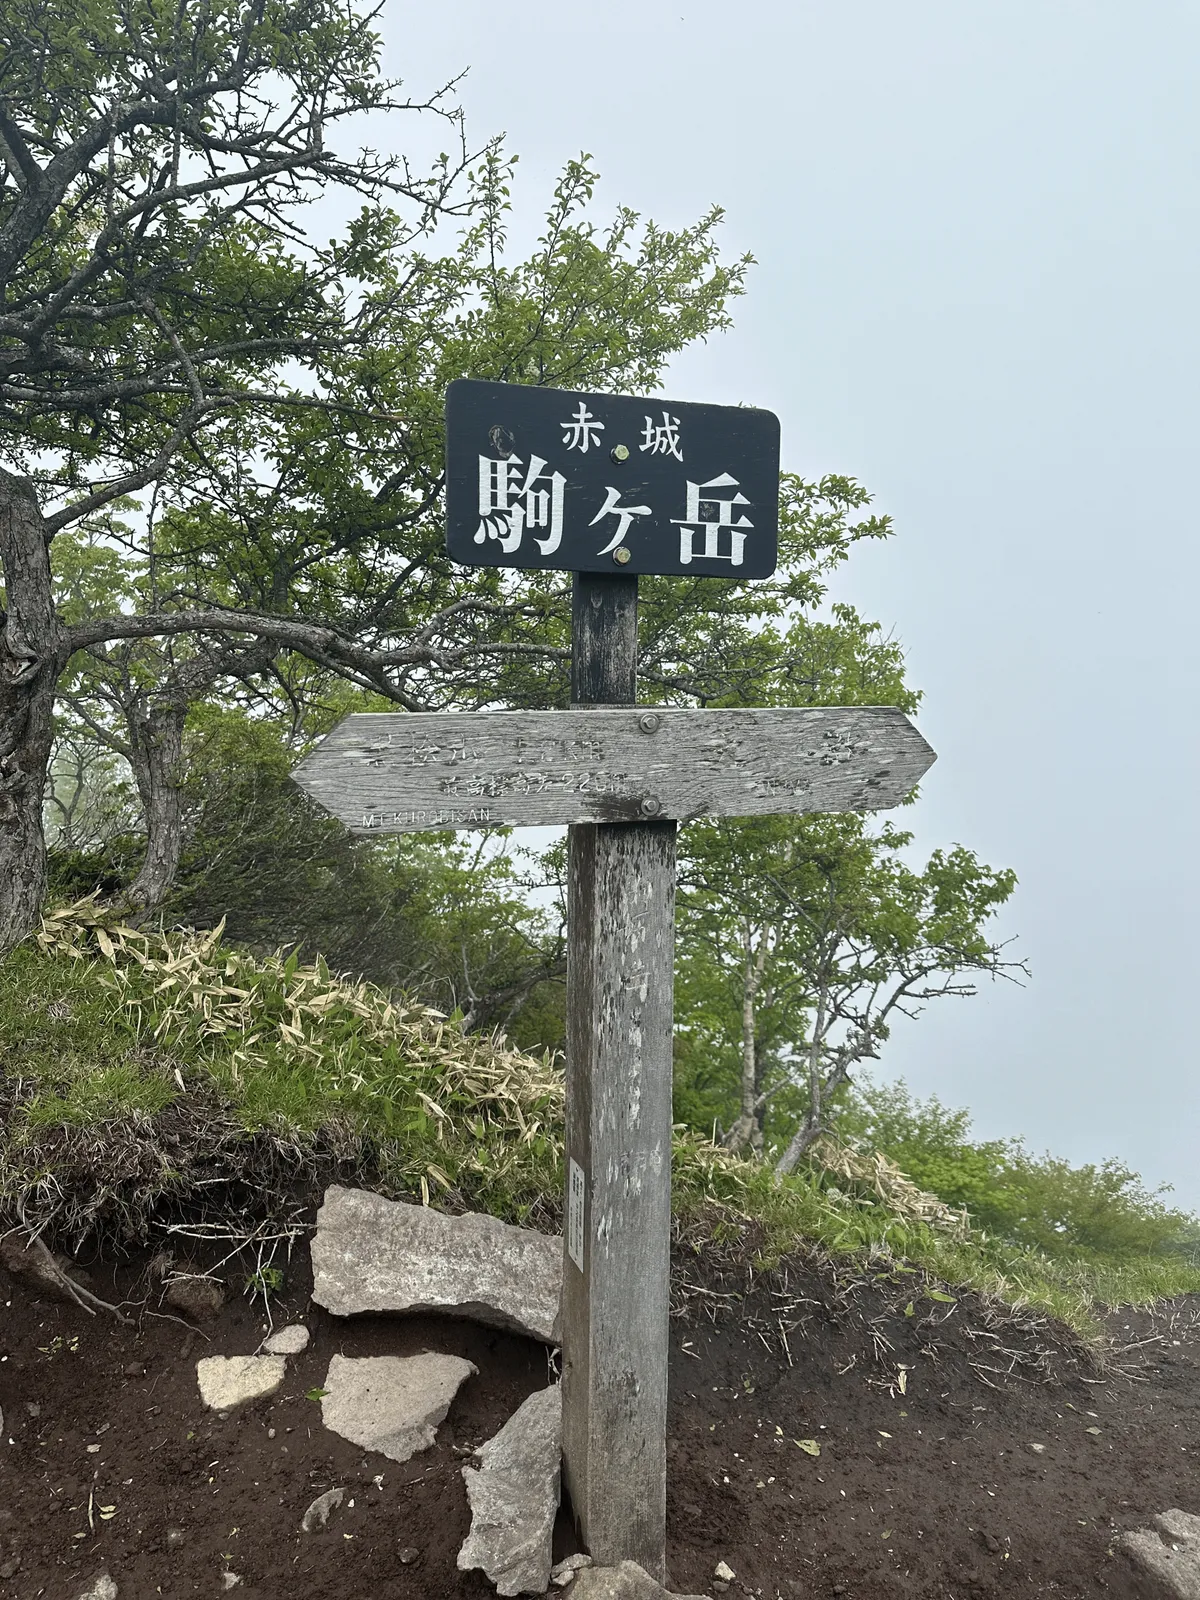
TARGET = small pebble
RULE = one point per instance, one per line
(317, 1514)
(407, 1556)
(564, 1573)
(287, 1341)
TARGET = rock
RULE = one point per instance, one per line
(564, 1573)
(514, 1496)
(229, 1381)
(724, 1571)
(371, 1254)
(317, 1514)
(230, 1580)
(392, 1404)
(134, 1369)
(101, 1588)
(287, 1341)
(10, 1568)
(1171, 1555)
(627, 1581)
(197, 1297)
(408, 1555)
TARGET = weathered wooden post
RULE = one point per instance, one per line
(616, 1289)
(620, 778)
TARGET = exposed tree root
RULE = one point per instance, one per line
(25, 1256)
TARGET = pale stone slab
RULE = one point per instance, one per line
(1171, 1555)
(229, 1381)
(101, 1588)
(514, 1496)
(287, 1341)
(392, 1404)
(372, 1254)
(626, 1581)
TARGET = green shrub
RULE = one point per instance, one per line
(138, 1070)
(1100, 1211)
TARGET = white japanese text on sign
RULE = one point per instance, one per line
(580, 482)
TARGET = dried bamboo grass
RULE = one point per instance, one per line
(174, 985)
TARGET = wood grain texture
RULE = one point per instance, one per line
(618, 1131)
(603, 639)
(391, 772)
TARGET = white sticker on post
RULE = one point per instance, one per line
(576, 1211)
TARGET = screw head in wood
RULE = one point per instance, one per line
(649, 722)
(619, 452)
(622, 554)
(650, 807)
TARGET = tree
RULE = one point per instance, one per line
(1099, 1210)
(801, 938)
(703, 641)
(153, 158)
(167, 331)
(444, 919)
(336, 512)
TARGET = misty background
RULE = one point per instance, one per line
(976, 230)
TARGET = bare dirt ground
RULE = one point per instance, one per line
(832, 1434)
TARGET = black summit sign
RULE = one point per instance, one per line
(549, 478)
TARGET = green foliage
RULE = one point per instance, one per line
(1101, 1210)
(931, 1144)
(1095, 1211)
(443, 917)
(165, 285)
(798, 940)
(105, 1093)
(288, 1050)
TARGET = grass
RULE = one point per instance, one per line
(146, 1073)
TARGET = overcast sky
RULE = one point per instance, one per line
(976, 228)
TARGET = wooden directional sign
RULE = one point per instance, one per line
(385, 772)
(549, 478)
(608, 487)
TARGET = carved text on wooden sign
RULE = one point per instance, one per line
(396, 772)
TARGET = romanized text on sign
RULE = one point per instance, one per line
(607, 483)
(396, 772)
